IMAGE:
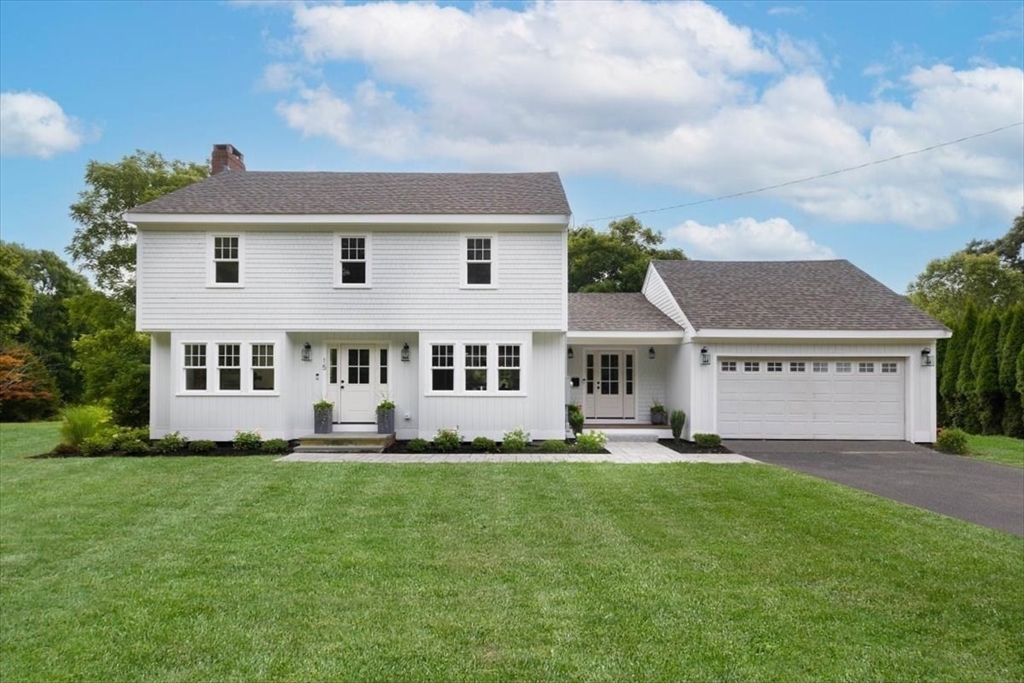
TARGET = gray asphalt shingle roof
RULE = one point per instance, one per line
(788, 295)
(615, 312)
(297, 193)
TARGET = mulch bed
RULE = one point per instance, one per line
(689, 447)
(467, 448)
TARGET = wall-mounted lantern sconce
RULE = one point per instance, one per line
(926, 358)
(307, 352)
(405, 352)
(650, 353)
(569, 353)
(705, 357)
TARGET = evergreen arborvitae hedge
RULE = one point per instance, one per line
(987, 395)
(1011, 344)
(962, 409)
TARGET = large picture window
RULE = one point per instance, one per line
(442, 367)
(229, 367)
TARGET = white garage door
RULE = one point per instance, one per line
(811, 398)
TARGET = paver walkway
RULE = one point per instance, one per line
(621, 452)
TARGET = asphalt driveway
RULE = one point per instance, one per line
(981, 492)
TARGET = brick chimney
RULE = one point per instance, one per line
(226, 158)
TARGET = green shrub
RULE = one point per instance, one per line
(95, 446)
(201, 446)
(576, 418)
(82, 422)
(553, 446)
(134, 447)
(247, 441)
(707, 440)
(515, 441)
(482, 444)
(952, 441)
(677, 420)
(274, 446)
(591, 442)
(127, 436)
(172, 443)
(418, 446)
(447, 440)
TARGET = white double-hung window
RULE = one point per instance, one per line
(476, 368)
(228, 368)
(478, 256)
(352, 260)
(225, 260)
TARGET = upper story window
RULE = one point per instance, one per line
(478, 262)
(226, 255)
(352, 260)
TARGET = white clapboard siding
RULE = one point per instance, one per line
(289, 284)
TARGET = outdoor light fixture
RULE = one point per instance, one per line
(650, 353)
(405, 352)
(705, 357)
(307, 352)
(569, 353)
(926, 358)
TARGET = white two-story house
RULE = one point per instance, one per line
(265, 293)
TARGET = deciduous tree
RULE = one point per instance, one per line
(104, 243)
(15, 295)
(616, 260)
(948, 285)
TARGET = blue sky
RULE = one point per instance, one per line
(638, 106)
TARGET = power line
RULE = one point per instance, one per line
(810, 178)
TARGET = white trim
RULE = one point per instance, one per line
(347, 219)
(464, 260)
(338, 284)
(676, 312)
(211, 269)
(926, 336)
(624, 337)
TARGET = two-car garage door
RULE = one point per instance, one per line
(811, 398)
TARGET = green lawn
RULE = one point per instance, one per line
(1004, 450)
(242, 569)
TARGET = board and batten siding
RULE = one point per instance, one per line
(540, 410)
(919, 389)
(289, 283)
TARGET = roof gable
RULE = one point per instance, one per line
(788, 295)
(300, 193)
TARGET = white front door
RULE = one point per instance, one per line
(355, 370)
(610, 383)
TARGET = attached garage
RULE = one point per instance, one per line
(811, 398)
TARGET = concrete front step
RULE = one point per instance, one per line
(341, 448)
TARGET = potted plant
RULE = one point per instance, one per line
(323, 414)
(386, 416)
(658, 414)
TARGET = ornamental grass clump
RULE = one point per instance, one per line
(79, 423)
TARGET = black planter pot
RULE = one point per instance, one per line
(322, 420)
(386, 421)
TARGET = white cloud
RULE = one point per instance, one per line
(34, 125)
(669, 93)
(746, 239)
(783, 10)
